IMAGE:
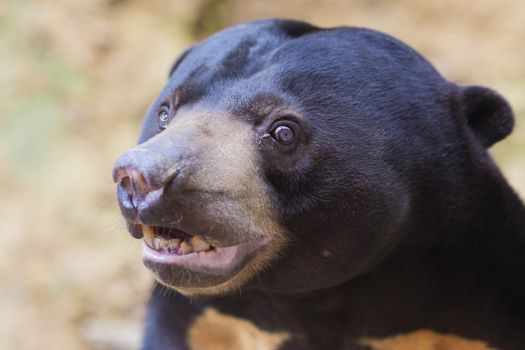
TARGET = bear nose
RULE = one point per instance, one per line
(138, 173)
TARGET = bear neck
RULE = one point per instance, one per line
(480, 220)
(459, 266)
(462, 257)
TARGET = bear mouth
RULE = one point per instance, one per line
(170, 241)
(174, 255)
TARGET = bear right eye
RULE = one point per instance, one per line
(163, 118)
(284, 134)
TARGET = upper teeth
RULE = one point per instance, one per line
(186, 248)
(174, 245)
(198, 244)
(148, 232)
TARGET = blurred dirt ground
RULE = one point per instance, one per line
(76, 77)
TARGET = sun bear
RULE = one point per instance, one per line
(297, 187)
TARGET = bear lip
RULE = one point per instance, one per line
(218, 261)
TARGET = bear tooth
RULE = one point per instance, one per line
(198, 244)
(186, 247)
(147, 231)
(148, 240)
(156, 243)
(174, 243)
(165, 245)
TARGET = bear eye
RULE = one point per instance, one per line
(163, 118)
(284, 134)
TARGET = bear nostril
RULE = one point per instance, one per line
(119, 173)
(126, 198)
(125, 183)
(133, 182)
(139, 184)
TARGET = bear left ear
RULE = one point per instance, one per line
(488, 114)
(179, 60)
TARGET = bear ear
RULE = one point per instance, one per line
(488, 114)
(179, 60)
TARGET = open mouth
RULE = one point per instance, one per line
(170, 241)
(180, 259)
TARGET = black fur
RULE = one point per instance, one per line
(391, 176)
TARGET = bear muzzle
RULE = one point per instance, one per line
(197, 198)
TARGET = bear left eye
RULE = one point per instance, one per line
(163, 117)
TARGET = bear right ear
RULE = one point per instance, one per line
(488, 114)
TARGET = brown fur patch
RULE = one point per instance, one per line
(326, 253)
(217, 331)
(425, 340)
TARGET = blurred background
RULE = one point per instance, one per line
(76, 77)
